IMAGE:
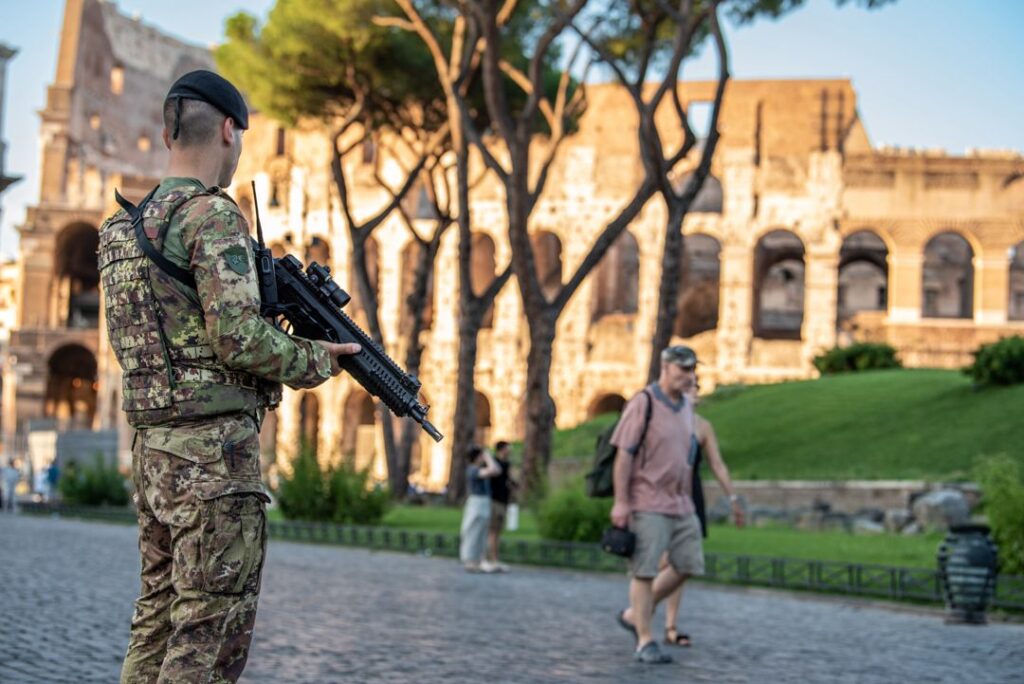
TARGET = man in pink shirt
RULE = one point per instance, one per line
(653, 481)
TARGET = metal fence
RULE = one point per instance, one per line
(835, 577)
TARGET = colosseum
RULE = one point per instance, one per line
(806, 236)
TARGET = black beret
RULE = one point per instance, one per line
(207, 86)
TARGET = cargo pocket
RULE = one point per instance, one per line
(231, 539)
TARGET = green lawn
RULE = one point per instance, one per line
(912, 551)
(897, 424)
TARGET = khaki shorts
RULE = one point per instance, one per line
(498, 515)
(656, 534)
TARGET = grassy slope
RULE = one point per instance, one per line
(905, 424)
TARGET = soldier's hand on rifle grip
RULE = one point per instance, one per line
(335, 350)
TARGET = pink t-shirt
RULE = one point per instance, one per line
(661, 476)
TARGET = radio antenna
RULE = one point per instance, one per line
(259, 226)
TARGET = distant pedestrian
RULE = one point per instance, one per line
(652, 478)
(481, 468)
(11, 475)
(502, 488)
(52, 478)
(704, 445)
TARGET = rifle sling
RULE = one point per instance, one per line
(184, 276)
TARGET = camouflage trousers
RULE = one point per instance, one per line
(202, 539)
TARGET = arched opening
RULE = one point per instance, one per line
(309, 422)
(607, 403)
(482, 435)
(617, 279)
(547, 253)
(863, 275)
(71, 388)
(708, 200)
(318, 250)
(77, 276)
(700, 268)
(482, 269)
(277, 249)
(1016, 301)
(947, 278)
(358, 432)
(779, 286)
(411, 256)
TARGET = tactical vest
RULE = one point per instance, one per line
(157, 330)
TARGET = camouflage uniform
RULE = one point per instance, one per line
(200, 369)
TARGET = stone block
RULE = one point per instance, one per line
(940, 509)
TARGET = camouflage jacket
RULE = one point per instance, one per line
(186, 353)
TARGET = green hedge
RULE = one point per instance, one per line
(333, 494)
(999, 363)
(1002, 486)
(856, 357)
(570, 515)
(97, 484)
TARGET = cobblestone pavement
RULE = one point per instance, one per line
(341, 615)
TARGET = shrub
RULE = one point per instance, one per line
(341, 495)
(1002, 487)
(353, 499)
(98, 484)
(999, 363)
(856, 357)
(570, 515)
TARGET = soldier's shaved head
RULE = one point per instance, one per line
(198, 125)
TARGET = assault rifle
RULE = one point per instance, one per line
(311, 302)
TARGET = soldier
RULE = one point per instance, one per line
(201, 368)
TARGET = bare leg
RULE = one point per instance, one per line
(492, 545)
(641, 603)
(672, 608)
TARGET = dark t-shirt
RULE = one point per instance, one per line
(499, 483)
(476, 485)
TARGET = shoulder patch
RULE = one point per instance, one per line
(237, 258)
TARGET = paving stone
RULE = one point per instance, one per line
(331, 614)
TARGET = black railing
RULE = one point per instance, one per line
(835, 577)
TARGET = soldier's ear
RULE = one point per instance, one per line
(166, 135)
(227, 131)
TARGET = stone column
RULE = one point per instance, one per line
(992, 286)
(905, 271)
(821, 284)
(734, 321)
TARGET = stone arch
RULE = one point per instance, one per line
(547, 253)
(606, 403)
(358, 426)
(778, 286)
(1015, 310)
(71, 387)
(617, 279)
(318, 249)
(411, 255)
(863, 275)
(77, 276)
(947, 277)
(482, 271)
(710, 198)
(699, 269)
(309, 421)
(482, 435)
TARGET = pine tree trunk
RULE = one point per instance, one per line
(540, 407)
(668, 291)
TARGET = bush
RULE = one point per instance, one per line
(1002, 487)
(856, 357)
(98, 484)
(999, 363)
(571, 515)
(341, 495)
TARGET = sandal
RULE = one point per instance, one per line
(677, 638)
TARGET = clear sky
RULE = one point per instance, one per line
(928, 73)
